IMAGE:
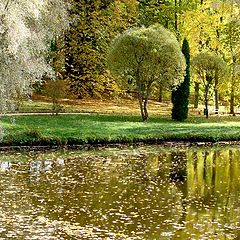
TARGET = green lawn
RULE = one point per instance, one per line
(95, 128)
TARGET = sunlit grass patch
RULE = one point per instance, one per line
(96, 128)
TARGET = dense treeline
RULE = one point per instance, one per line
(209, 26)
(93, 24)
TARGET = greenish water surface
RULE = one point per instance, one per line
(146, 192)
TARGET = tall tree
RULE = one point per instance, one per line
(210, 69)
(165, 12)
(26, 30)
(180, 95)
(157, 11)
(231, 39)
(93, 25)
(144, 56)
(202, 26)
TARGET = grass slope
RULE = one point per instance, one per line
(96, 128)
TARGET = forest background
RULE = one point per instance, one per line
(77, 48)
(79, 56)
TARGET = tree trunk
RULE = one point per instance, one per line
(216, 95)
(145, 110)
(206, 108)
(145, 103)
(206, 102)
(160, 96)
(232, 93)
(196, 94)
(140, 100)
(143, 107)
(175, 16)
(216, 101)
(232, 98)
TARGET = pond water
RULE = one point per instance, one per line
(149, 192)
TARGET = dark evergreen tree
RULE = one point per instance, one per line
(181, 94)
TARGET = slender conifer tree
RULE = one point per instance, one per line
(180, 95)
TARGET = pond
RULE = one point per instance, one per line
(146, 192)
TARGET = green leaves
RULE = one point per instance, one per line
(150, 54)
(147, 55)
(206, 64)
(94, 24)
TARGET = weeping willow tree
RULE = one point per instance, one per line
(26, 30)
(143, 57)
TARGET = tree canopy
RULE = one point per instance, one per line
(210, 69)
(144, 56)
(26, 29)
(93, 24)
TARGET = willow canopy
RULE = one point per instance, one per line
(144, 56)
(26, 30)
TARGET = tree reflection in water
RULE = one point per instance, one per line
(141, 193)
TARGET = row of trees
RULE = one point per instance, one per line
(211, 27)
(70, 40)
(144, 57)
(214, 27)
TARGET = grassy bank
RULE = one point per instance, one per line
(95, 128)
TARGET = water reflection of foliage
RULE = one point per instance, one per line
(213, 193)
(173, 194)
